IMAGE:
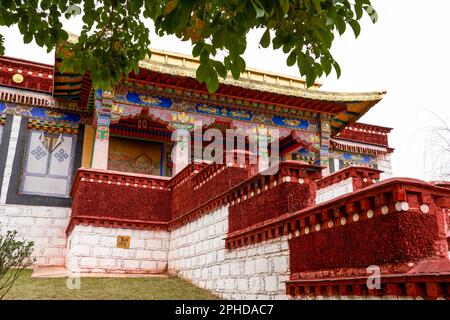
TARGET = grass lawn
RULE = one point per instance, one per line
(106, 288)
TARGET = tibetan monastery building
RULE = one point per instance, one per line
(88, 176)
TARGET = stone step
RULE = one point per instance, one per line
(61, 272)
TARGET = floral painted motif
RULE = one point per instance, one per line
(102, 133)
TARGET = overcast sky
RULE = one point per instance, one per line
(407, 53)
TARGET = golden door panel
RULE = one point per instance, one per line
(134, 156)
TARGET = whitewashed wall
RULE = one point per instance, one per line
(45, 226)
(334, 190)
(384, 163)
(197, 253)
(94, 249)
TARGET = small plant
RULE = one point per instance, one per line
(14, 258)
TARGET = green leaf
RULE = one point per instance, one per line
(235, 70)
(337, 68)
(277, 42)
(259, 8)
(220, 68)
(291, 58)
(265, 39)
(284, 6)
(241, 63)
(358, 9)
(202, 72)
(356, 27)
(310, 79)
(326, 65)
(301, 63)
(197, 49)
(212, 83)
(340, 24)
(63, 35)
(27, 38)
(372, 13)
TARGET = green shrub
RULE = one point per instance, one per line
(15, 256)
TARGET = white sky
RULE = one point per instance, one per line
(406, 53)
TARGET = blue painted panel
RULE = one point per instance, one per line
(46, 114)
(291, 122)
(141, 99)
(223, 112)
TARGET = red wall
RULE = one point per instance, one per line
(185, 198)
(396, 237)
(121, 202)
(284, 198)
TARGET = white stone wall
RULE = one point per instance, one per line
(197, 253)
(94, 249)
(384, 163)
(334, 190)
(45, 226)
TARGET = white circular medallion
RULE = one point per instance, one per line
(405, 206)
(424, 208)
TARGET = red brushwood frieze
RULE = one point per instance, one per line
(22, 74)
(366, 133)
(361, 177)
(204, 184)
(392, 195)
(144, 199)
(385, 239)
(283, 198)
(288, 171)
(123, 198)
(217, 179)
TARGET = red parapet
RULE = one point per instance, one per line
(185, 174)
(397, 224)
(114, 198)
(22, 74)
(366, 133)
(389, 196)
(259, 184)
(361, 177)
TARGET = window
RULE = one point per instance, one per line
(48, 164)
(331, 162)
